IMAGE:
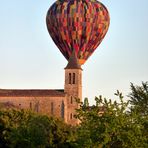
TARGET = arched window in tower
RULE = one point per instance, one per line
(71, 100)
(69, 78)
(71, 116)
(74, 77)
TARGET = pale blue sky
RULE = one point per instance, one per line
(29, 58)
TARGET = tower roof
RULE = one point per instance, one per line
(73, 62)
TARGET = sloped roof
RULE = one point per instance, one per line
(73, 62)
(31, 93)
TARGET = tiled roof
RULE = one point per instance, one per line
(73, 62)
(31, 93)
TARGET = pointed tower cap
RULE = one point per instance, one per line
(73, 62)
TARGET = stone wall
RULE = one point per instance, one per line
(51, 106)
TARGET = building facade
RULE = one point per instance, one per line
(58, 103)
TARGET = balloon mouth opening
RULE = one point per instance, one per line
(81, 61)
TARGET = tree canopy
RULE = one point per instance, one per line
(115, 128)
(139, 97)
(20, 128)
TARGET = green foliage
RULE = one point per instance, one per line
(139, 97)
(139, 104)
(115, 128)
(26, 129)
(86, 103)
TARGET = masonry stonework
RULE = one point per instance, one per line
(58, 103)
(73, 88)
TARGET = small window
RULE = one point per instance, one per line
(69, 78)
(71, 100)
(74, 77)
(52, 108)
(62, 109)
(30, 105)
(71, 116)
(36, 108)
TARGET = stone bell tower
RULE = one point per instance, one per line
(73, 87)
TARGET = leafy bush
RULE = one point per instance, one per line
(116, 127)
(20, 128)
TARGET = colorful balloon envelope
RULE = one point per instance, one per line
(78, 25)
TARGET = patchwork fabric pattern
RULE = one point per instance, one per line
(78, 25)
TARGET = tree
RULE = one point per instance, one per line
(3, 142)
(115, 128)
(139, 104)
(139, 98)
(20, 128)
(86, 103)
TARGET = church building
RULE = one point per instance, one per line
(58, 103)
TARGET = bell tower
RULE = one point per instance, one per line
(73, 87)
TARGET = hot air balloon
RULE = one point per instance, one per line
(78, 25)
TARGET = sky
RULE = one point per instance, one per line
(29, 59)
